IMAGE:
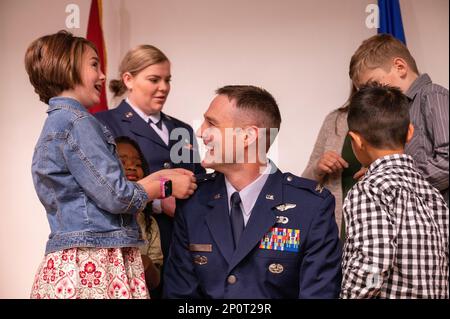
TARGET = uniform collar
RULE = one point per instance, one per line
(262, 218)
(249, 194)
(154, 117)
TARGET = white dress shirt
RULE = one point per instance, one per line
(163, 133)
(154, 118)
(249, 194)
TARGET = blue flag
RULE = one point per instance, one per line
(391, 19)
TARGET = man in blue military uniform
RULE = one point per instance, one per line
(251, 231)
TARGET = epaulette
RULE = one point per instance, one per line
(307, 184)
(205, 177)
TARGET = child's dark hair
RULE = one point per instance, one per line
(148, 209)
(380, 113)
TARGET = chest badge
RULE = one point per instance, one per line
(200, 260)
(128, 115)
(284, 207)
(276, 268)
(269, 196)
(282, 220)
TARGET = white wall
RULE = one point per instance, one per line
(297, 49)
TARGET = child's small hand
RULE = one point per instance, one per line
(168, 206)
(167, 173)
(182, 171)
(183, 185)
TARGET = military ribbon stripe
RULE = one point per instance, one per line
(282, 239)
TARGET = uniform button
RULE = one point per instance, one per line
(166, 165)
(231, 279)
(289, 178)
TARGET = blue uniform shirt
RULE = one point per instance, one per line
(249, 194)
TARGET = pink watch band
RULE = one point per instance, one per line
(162, 193)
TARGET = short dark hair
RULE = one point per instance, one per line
(53, 63)
(130, 141)
(254, 99)
(380, 113)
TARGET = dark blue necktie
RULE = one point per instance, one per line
(158, 124)
(237, 220)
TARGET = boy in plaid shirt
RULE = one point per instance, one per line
(396, 222)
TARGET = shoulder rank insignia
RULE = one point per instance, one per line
(284, 207)
(319, 188)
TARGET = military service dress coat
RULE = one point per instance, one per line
(289, 248)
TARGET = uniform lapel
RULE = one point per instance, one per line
(261, 219)
(218, 219)
(170, 126)
(137, 125)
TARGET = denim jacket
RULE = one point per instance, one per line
(79, 179)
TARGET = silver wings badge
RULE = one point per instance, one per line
(284, 207)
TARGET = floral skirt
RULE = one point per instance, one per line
(91, 273)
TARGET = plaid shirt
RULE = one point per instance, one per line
(397, 228)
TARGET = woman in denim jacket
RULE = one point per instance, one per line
(92, 250)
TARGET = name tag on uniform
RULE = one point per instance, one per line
(200, 247)
(282, 239)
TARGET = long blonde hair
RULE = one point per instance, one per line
(135, 61)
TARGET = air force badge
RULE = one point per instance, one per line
(284, 207)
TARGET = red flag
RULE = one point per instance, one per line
(95, 35)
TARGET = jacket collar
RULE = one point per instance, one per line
(139, 126)
(64, 102)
